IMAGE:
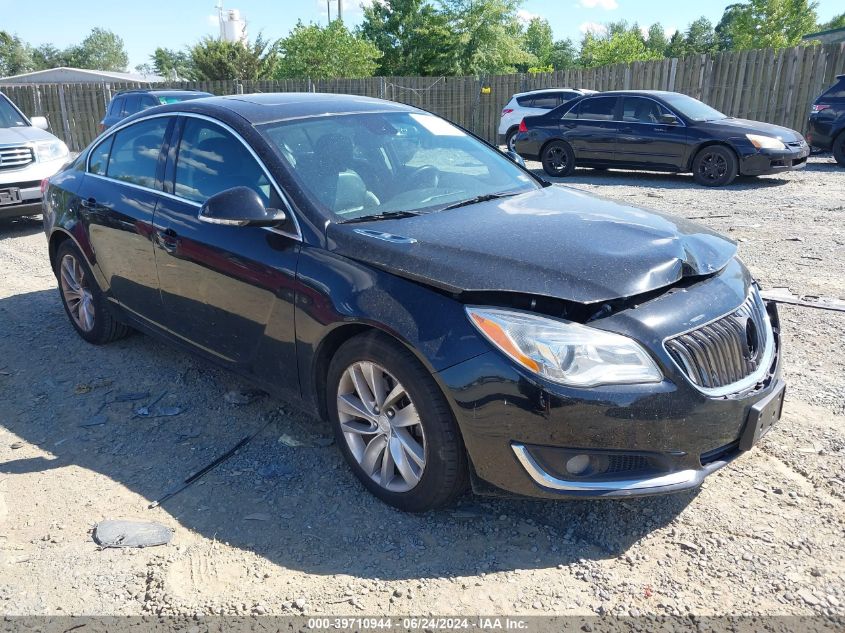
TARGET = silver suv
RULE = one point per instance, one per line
(524, 104)
(28, 155)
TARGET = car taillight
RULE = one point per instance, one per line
(101, 127)
(507, 111)
(44, 183)
(522, 126)
(818, 107)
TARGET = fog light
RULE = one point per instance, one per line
(578, 465)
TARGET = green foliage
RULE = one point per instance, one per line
(213, 59)
(765, 24)
(620, 44)
(48, 56)
(325, 52)
(413, 37)
(836, 22)
(172, 64)
(700, 37)
(488, 36)
(539, 41)
(564, 55)
(656, 39)
(541, 69)
(15, 55)
(101, 50)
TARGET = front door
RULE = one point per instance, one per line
(644, 141)
(228, 290)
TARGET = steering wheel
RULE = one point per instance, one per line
(423, 177)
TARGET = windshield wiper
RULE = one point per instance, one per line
(484, 198)
(387, 215)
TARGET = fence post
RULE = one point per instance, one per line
(65, 122)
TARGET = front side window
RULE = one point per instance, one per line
(135, 152)
(641, 110)
(211, 160)
(357, 165)
(597, 109)
(9, 116)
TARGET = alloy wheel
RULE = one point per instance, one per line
(76, 292)
(557, 158)
(713, 166)
(381, 426)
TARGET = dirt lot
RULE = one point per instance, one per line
(284, 528)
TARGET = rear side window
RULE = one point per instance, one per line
(100, 157)
(133, 105)
(597, 109)
(525, 101)
(116, 108)
(148, 101)
(836, 91)
(546, 102)
(135, 152)
(211, 160)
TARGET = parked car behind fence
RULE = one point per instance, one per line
(129, 102)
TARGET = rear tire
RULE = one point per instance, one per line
(715, 166)
(838, 149)
(85, 304)
(394, 426)
(558, 159)
(510, 139)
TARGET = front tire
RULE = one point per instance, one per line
(715, 166)
(838, 149)
(85, 304)
(558, 159)
(393, 425)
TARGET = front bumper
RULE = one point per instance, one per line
(769, 161)
(27, 182)
(657, 438)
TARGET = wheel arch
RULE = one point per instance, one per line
(710, 143)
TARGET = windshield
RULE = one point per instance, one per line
(9, 116)
(378, 164)
(693, 108)
(165, 99)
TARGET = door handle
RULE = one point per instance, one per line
(88, 203)
(168, 240)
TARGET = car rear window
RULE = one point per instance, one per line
(836, 91)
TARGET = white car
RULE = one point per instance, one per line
(532, 103)
(28, 155)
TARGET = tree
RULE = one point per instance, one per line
(488, 36)
(48, 56)
(539, 40)
(101, 50)
(564, 55)
(213, 59)
(836, 22)
(619, 44)
(765, 24)
(700, 37)
(412, 36)
(656, 40)
(171, 64)
(15, 55)
(326, 52)
(677, 46)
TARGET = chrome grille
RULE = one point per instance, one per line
(728, 352)
(16, 157)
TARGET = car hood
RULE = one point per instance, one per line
(746, 126)
(23, 134)
(554, 242)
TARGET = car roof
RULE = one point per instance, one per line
(543, 90)
(279, 106)
(644, 93)
(162, 92)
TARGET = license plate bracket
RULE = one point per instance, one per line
(10, 195)
(762, 417)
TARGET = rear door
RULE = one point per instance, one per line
(228, 290)
(591, 129)
(644, 141)
(118, 199)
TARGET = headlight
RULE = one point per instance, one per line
(50, 150)
(565, 352)
(765, 142)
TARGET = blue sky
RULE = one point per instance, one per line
(147, 24)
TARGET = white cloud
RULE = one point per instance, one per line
(607, 5)
(526, 16)
(213, 20)
(670, 31)
(349, 6)
(593, 27)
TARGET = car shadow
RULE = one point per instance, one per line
(288, 495)
(20, 227)
(658, 180)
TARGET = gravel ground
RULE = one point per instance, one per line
(284, 528)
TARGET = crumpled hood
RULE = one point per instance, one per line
(554, 242)
(23, 134)
(740, 127)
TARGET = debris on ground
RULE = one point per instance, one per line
(118, 533)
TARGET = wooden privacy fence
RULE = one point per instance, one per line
(776, 86)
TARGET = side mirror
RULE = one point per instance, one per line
(668, 119)
(40, 122)
(515, 158)
(239, 206)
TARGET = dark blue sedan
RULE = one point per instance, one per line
(660, 131)
(454, 318)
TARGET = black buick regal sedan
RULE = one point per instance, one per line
(658, 131)
(453, 317)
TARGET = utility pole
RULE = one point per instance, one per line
(329, 10)
(340, 10)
